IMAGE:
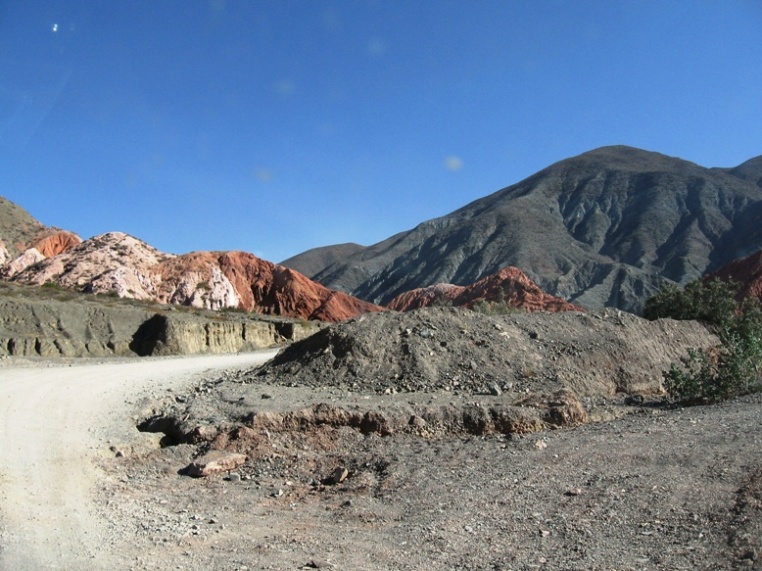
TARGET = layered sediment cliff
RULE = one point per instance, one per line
(35, 322)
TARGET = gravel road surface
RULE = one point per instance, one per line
(55, 421)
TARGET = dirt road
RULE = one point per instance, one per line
(54, 422)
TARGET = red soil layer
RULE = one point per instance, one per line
(510, 286)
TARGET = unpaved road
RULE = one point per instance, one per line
(55, 421)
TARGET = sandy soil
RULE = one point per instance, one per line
(56, 421)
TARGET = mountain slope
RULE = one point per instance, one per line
(315, 260)
(605, 228)
(17, 228)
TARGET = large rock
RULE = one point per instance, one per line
(29, 258)
(268, 288)
(510, 286)
(215, 462)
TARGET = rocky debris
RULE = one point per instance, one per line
(509, 287)
(663, 488)
(253, 432)
(116, 263)
(464, 352)
(337, 476)
(215, 462)
(747, 272)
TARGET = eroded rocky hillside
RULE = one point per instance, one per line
(121, 264)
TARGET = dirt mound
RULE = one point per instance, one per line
(461, 351)
(747, 271)
(509, 286)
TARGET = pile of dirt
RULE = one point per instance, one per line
(464, 352)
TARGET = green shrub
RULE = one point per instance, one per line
(732, 369)
(710, 301)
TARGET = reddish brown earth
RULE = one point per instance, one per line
(510, 286)
(265, 287)
(55, 243)
(747, 271)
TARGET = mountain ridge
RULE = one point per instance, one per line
(605, 228)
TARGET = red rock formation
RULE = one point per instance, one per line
(59, 241)
(510, 286)
(746, 271)
(116, 262)
(265, 287)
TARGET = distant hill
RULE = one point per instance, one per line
(19, 232)
(510, 287)
(605, 228)
(119, 264)
(128, 267)
(751, 170)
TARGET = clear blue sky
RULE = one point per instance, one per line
(275, 126)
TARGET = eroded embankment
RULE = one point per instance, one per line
(98, 328)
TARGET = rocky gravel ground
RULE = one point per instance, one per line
(363, 469)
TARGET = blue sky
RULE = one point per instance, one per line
(277, 126)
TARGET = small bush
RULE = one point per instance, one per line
(711, 302)
(732, 369)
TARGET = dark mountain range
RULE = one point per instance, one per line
(605, 228)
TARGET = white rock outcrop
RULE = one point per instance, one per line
(22, 262)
